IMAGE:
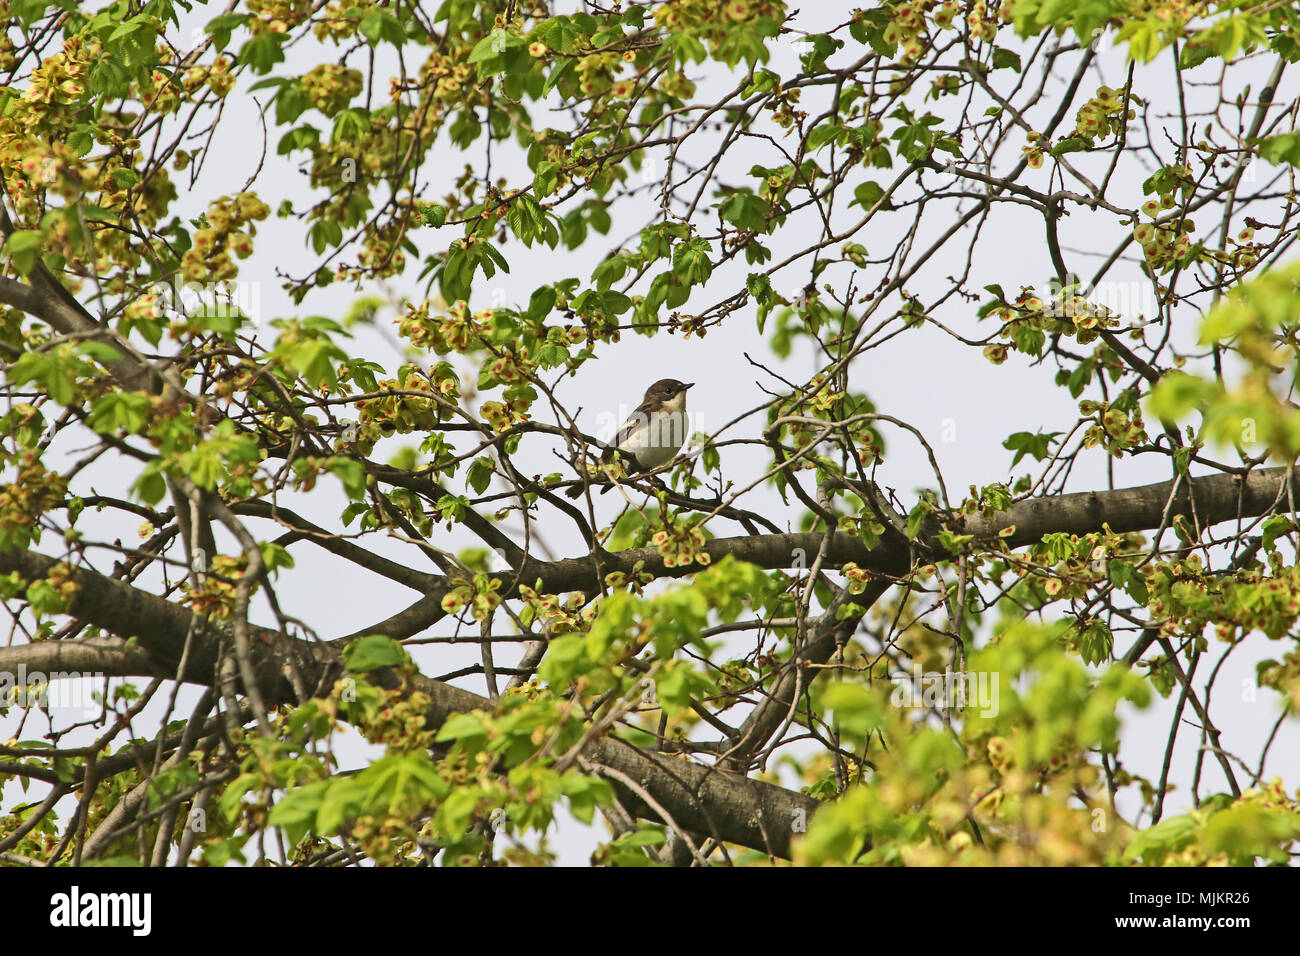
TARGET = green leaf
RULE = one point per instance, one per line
(462, 727)
(434, 214)
(586, 794)
(546, 179)
(1026, 443)
(691, 262)
(1274, 528)
(351, 472)
(745, 210)
(1178, 393)
(1284, 148)
(916, 518)
(480, 474)
(100, 351)
(124, 411)
(1003, 58)
(262, 52)
(557, 74)
(1071, 144)
(296, 811)
(378, 24)
(151, 486)
(1096, 642)
(372, 652)
(22, 247)
(857, 711)
(867, 195)
(314, 360)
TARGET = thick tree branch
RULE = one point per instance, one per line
(1220, 497)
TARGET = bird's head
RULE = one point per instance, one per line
(667, 392)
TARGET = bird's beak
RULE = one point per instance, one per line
(688, 385)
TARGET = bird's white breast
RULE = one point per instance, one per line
(660, 436)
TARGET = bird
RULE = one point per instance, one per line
(653, 433)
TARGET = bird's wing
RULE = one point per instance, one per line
(638, 419)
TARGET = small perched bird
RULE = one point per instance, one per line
(653, 433)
